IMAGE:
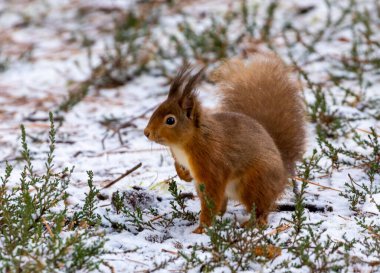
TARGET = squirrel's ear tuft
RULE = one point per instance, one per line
(179, 79)
(189, 99)
(192, 82)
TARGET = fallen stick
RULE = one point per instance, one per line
(134, 261)
(366, 131)
(169, 251)
(157, 217)
(279, 229)
(47, 227)
(122, 176)
(315, 184)
(345, 218)
(309, 207)
(109, 266)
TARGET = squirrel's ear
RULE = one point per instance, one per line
(188, 103)
(189, 99)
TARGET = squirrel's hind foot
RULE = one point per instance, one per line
(262, 222)
(199, 230)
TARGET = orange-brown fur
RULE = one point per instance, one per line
(235, 152)
(264, 91)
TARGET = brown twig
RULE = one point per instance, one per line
(345, 218)
(310, 207)
(110, 267)
(279, 229)
(367, 132)
(157, 217)
(315, 184)
(129, 122)
(117, 129)
(122, 176)
(169, 251)
(47, 227)
(134, 261)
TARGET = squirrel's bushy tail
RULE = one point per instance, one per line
(263, 90)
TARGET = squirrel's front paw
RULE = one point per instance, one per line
(183, 173)
(199, 230)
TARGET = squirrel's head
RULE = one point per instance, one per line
(176, 119)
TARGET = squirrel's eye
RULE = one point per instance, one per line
(170, 120)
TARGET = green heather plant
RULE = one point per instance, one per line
(4, 61)
(87, 216)
(34, 236)
(317, 252)
(178, 204)
(232, 246)
(137, 219)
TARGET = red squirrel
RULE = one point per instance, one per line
(247, 149)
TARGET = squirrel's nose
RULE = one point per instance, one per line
(146, 132)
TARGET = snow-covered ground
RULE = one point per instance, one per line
(44, 42)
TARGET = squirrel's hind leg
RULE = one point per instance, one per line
(223, 208)
(254, 195)
(213, 202)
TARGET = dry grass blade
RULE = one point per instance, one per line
(367, 132)
(315, 184)
(279, 229)
(47, 227)
(169, 251)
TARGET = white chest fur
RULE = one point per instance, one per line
(181, 156)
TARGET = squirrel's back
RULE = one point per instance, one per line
(263, 90)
